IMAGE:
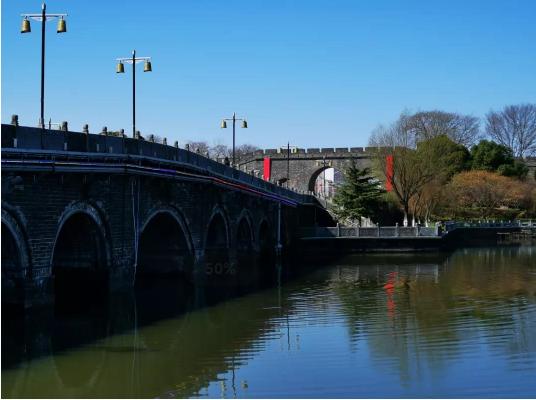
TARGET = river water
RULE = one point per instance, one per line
(461, 324)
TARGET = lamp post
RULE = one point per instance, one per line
(43, 17)
(234, 119)
(288, 163)
(147, 67)
(324, 175)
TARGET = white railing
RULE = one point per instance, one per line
(408, 231)
(370, 232)
(518, 223)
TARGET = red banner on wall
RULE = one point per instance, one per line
(389, 173)
(267, 168)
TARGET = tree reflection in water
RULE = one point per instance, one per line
(435, 311)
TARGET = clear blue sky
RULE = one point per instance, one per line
(317, 73)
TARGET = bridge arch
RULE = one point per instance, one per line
(313, 177)
(318, 186)
(165, 245)
(15, 258)
(217, 243)
(245, 237)
(265, 234)
(217, 232)
(81, 256)
(245, 245)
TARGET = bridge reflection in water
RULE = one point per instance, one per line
(450, 325)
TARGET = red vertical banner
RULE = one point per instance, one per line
(389, 172)
(267, 168)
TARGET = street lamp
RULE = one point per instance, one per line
(288, 163)
(147, 67)
(26, 28)
(234, 119)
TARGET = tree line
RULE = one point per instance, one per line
(444, 167)
(221, 151)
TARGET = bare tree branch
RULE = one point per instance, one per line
(461, 129)
(514, 127)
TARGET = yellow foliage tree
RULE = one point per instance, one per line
(487, 192)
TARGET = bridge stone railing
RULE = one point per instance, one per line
(48, 140)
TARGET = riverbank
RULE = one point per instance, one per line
(460, 237)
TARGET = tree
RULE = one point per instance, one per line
(494, 157)
(425, 203)
(485, 192)
(242, 151)
(158, 139)
(415, 162)
(515, 128)
(461, 129)
(358, 196)
(454, 158)
(220, 151)
(201, 147)
(406, 176)
(116, 133)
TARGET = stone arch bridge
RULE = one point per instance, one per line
(83, 214)
(303, 166)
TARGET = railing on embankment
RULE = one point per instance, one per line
(441, 230)
(369, 232)
(318, 242)
(518, 223)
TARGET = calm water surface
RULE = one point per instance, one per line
(452, 325)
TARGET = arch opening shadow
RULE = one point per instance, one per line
(217, 245)
(324, 181)
(79, 264)
(163, 251)
(11, 266)
(245, 253)
(244, 237)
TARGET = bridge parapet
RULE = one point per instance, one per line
(36, 140)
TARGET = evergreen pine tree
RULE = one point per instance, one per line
(359, 195)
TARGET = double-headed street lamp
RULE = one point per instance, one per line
(26, 28)
(234, 119)
(147, 67)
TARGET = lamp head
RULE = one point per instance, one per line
(147, 67)
(223, 124)
(26, 28)
(120, 68)
(62, 26)
(244, 124)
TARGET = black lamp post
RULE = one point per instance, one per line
(288, 163)
(147, 67)
(234, 119)
(26, 28)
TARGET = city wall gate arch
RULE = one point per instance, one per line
(302, 166)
